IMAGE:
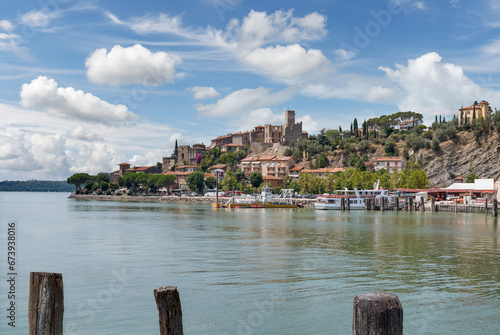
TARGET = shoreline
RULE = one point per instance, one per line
(171, 198)
(305, 203)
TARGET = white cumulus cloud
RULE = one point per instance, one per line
(132, 65)
(38, 18)
(259, 28)
(244, 101)
(43, 93)
(202, 92)
(431, 86)
(288, 63)
(80, 133)
(6, 25)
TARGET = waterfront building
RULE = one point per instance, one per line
(391, 164)
(272, 166)
(125, 167)
(322, 173)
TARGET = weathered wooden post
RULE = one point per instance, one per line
(46, 304)
(486, 205)
(411, 204)
(382, 204)
(456, 205)
(495, 207)
(348, 204)
(396, 200)
(433, 208)
(377, 314)
(422, 204)
(169, 310)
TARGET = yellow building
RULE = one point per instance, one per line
(483, 110)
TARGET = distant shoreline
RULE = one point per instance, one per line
(169, 198)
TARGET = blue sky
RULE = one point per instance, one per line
(85, 85)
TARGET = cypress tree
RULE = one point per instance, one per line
(440, 121)
(176, 150)
(355, 127)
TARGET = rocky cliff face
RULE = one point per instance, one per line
(456, 157)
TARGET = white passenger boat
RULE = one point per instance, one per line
(353, 199)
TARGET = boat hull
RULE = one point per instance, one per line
(322, 206)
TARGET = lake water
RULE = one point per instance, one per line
(251, 271)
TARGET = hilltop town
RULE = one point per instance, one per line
(397, 149)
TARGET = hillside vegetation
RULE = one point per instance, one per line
(446, 151)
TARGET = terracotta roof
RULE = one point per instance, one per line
(124, 164)
(232, 145)
(209, 175)
(269, 177)
(304, 132)
(459, 178)
(471, 107)
(267, 158)
(324, 170)
(297, 168)
(142, 168)
(218, 166)
(250, 159)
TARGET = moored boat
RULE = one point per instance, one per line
(354, 199)
(263, 200)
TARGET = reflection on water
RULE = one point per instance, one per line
(258, 271)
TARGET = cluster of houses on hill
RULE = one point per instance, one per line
(273, 168)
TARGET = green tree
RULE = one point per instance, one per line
(102, 176)
(196, 181)
(113, 187)
(159, 165)
(321, 161)
(176, 151)
(390, 148)
(167, 181)
(472, 176)
(256, 179)
(88, 185)
(229, 182)
(78, 179)
(210, 182)
(417, 179)
(130, 181)
(103, 185)
(152, 182)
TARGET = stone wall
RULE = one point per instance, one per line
(193, 200)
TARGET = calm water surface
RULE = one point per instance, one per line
(251, 271)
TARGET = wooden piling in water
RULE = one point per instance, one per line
(411, 204)
(422, 204)
(169, 310)
(46, 304)
(433, 207)
(495, 207)
(486, 205)
(348, 204)
(396, 203)
(377, 314)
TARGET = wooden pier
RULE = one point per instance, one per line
(373, 313)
